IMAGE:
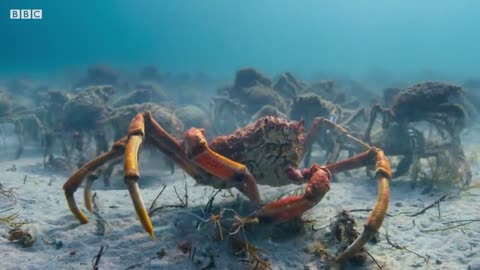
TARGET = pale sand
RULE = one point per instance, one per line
(45, 208)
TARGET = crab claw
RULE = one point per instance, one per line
(197, 150)
(247, 185)
(294, 206)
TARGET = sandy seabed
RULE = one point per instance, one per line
(41, 202)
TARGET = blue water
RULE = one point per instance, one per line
(394, 38)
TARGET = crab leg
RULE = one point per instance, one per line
(107, 172)
(318, 185)
(387, 115)
(383, 175)
(136, 133)
(144, 125)
(320, 123)
(77, 178)
(292, 207)
(225, 169)
(20, 132)
(158, 137)
(87, 190)
(197, 160)
(352, 118)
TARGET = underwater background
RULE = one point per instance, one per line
(368, 39)
(304, 98)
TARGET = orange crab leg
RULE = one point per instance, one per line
(194, 157)
(160, 138)
(218, 165)
(136, 132)
(318, 185)
(77, 178)
(294, 206)
(383, 174)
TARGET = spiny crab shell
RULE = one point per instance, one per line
(267, 147)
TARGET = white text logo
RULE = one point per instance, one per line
(26, 14)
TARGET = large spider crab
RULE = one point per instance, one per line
(267, 151)
(442, 106)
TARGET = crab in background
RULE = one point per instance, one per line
(441, 106)
(307, 106)
(73, 117)
(21, 118)
(438, 103)
(236, 104)
(267, 151)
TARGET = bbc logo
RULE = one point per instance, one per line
(26, 14)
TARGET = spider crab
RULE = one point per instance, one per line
(441, 105)
(267, 151)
